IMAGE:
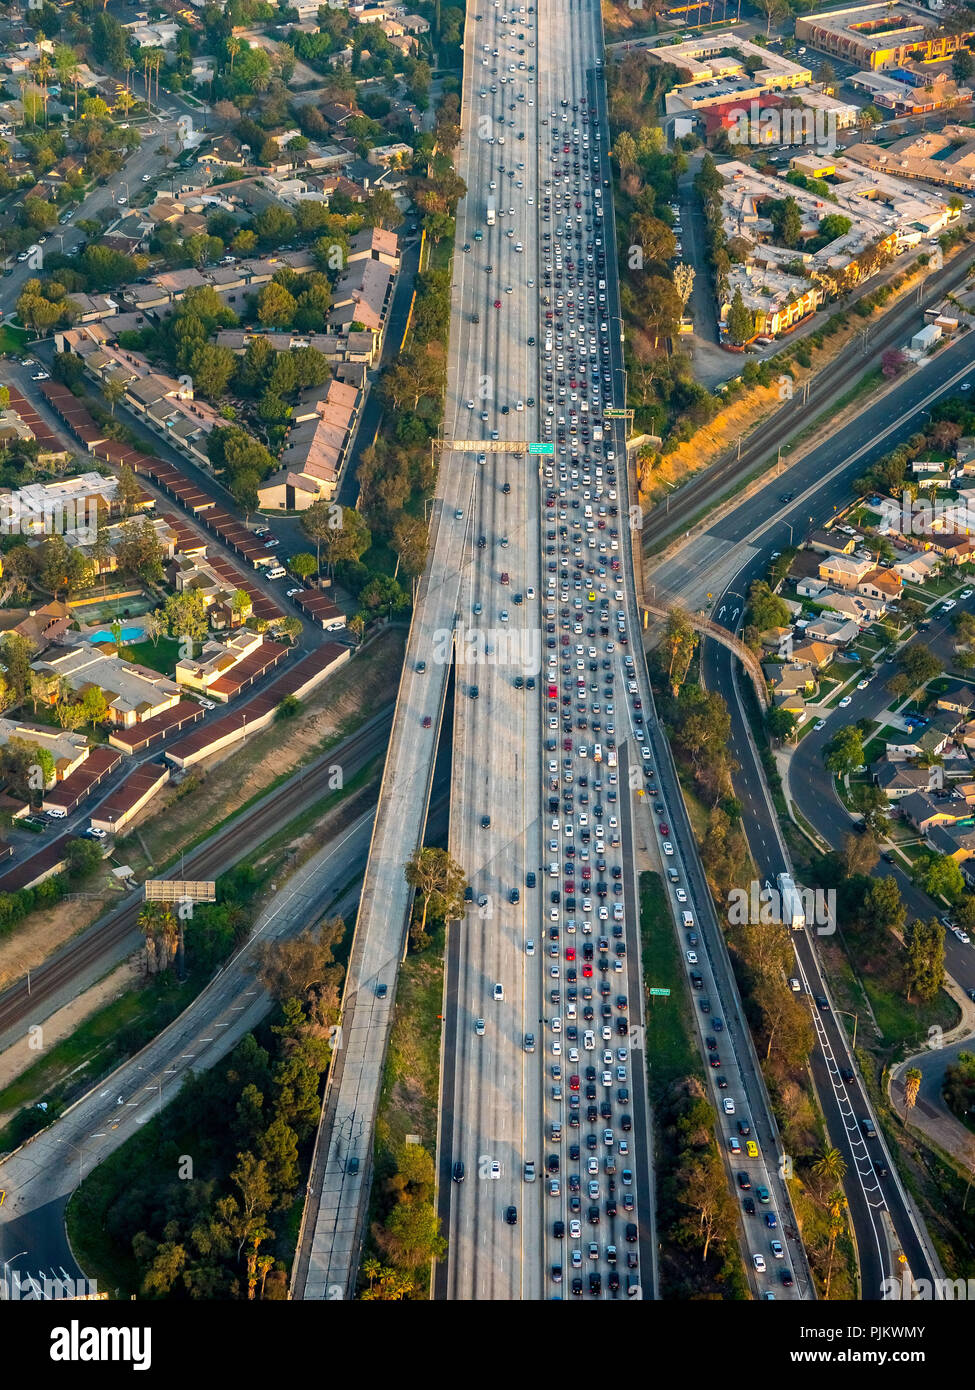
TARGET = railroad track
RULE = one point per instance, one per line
(226, 847)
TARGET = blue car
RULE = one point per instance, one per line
(770, 1220)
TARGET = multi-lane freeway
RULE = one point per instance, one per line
(545, 1169)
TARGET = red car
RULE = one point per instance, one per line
(497, 304)
(586, 971)
(664, 828)
(570, 953)
(426, 721)
(574, 1082)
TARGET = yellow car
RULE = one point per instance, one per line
(751, 1148)
(592, 595)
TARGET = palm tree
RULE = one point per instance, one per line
(912, 1084)
(66, 65)
(43, 71)
(148, 923)
(830, 1165)
(158, 58)
(233, 48)
(837, 1225)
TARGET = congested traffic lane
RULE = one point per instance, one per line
(684, 876)
(512, 1043)
(597, 1171)
(495, 1236)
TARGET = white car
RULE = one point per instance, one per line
(146, 178)
(589, 1040)
(862, 685)
(495, 1169)
(966, 593)
(844, 702)
(668, 847)
(759, 1262)
(691, 957)
(96, 834)
(681, 895)
(728, 1105)
(948, 605)
(499, 992)
(292, 592)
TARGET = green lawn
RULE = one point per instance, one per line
(159, 656)
(13, 340)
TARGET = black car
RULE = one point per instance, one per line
(847, 1074)
(458, 1174)
(511, 1215)
(786, 1277)
(577, 1286)
(749, 1206)
(558, 1230)
(514, 896)
(530, 879)
(594, 1216)
(631, 1232)
(595, 1284)
(822, 1002)
(744, 1181)
(626, 1123)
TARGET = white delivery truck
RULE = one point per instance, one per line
(790, 902)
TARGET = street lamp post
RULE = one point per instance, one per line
(855, 1018)
(81, 1156)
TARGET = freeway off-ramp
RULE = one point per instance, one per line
(724, 561)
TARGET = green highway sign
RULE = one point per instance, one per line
(616, 414)
(541, 448)
(664, 992)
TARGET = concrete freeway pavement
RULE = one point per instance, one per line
(497, 1098)
(327, 1260)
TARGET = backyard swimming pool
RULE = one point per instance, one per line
(129, 634)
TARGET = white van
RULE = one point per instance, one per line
(276, 572)
(686, 919)
(57, 813)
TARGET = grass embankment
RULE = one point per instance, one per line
(688, 1167)
(671, 1047)
(404, 1227)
